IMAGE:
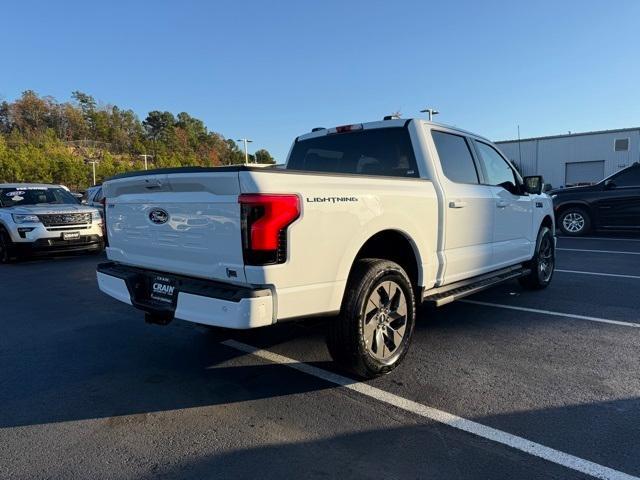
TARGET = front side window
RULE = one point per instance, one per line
(497, 170)
(381, 151)
(628, 178)
(455, 157)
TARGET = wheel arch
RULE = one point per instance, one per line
(396, 246)
(547, 221)
(573, 203)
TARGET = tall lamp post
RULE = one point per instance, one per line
(145, 156)
(246, 152)
(92, 162)
(431, 112)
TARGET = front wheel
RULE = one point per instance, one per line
(371, 335)
(543, 263)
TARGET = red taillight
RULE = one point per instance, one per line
(265, 218)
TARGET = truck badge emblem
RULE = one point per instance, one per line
(158, 216)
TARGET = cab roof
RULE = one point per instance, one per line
(395, 122)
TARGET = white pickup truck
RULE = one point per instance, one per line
(364, 222)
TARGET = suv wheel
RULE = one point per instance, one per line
(574, 222)
(373, 331)
(543, 263)
(6, 247)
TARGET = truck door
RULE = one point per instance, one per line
(513, 235)
(619, 205)
(468, 209)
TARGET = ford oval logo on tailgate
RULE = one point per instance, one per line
(158, 216)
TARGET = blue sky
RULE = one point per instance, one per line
(273, 70)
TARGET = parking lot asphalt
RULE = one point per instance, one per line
(548, 387)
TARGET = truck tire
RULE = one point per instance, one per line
(543, 263)
(574, 222)
(371, 335)
(7, 254)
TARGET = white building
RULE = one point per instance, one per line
(576, 157)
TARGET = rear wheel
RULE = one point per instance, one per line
(574, 222)
(7, 253)
(543, 263)
(371, 335)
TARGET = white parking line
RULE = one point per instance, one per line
(601, 238)
(556, 314)
(619, 275)
(597, 251)
(469, 426)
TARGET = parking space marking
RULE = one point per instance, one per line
(556, 314)
(619, 275)
(519, 443)
(597, 251)
(601, 238)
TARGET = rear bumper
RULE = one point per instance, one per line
(200, 301)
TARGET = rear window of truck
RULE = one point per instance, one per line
(381, 151)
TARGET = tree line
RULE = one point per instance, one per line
(46, 141)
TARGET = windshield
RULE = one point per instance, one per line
(20, 196)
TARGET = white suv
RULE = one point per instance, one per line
(38, 218)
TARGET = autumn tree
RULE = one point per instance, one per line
(40, 139)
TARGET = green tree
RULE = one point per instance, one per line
(263, 156)
(43, 140)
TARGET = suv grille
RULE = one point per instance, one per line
(60, 219)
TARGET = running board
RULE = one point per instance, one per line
(448, 293)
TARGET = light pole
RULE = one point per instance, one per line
(145, 156)
(246, 153)
(431, 112)
(93, 164)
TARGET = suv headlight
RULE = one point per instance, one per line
(25, 218)
(96, 216)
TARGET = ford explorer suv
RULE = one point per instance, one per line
(41, 219)
(613, 204)
(363, 223)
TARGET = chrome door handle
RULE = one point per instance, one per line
(457, 204)
(501, 204)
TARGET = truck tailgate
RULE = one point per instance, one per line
(186, 223)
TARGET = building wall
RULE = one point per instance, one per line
(548, 156)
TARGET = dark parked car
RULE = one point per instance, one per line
(611, 204)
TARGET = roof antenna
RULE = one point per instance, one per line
(394, 116)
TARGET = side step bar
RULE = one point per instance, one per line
(448, 293)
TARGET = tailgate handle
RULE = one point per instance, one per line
(158, 184)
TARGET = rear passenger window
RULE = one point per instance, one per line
(455, 157)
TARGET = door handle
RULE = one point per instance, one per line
(501, 204)
(457, 204)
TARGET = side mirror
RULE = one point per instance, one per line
(609, 184)
(533, 184)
